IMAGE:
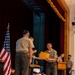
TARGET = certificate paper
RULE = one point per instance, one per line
(44, 55)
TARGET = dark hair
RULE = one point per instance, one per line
(25, 32)
(69, 55)
(36, 61)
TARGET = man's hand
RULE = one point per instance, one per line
(40, 58)
(34, 51)
(47, 59)
(30, 61)
(70, 71)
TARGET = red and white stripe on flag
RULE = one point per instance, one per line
(5, 56)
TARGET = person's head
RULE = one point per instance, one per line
(49, 46)
(69, 57)
(26, 33)
(62, 55)
(36, 62)
(32, 39)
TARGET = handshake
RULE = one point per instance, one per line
(42, 55)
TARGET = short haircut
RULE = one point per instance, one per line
(69, 55)
(25, 32)
(49, 43)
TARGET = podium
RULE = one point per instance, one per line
(1, 67)
(61, 65)
(61, 68)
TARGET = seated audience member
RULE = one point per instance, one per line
(37, 70)
(69, 65)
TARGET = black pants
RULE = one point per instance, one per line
(60, 72)
(67, 71)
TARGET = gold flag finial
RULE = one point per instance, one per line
(8, 25)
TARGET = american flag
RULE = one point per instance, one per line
(5, 56)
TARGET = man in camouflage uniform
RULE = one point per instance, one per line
(51, 64)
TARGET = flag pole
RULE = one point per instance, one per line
(8, 26)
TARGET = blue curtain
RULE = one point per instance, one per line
(38, 32)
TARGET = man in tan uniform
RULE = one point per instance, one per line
(23, 54)
(51, 63)
(69, 66)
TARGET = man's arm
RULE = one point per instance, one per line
(71, 68)
(53, 59)
(30, 54)
(34, 51)
(31, 46)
